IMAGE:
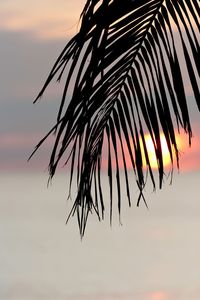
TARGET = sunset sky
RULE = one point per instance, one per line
(32, 35)
(154, 255)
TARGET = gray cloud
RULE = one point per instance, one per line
(25, 63)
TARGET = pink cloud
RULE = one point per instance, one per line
(158, 295)
(17, 141)
(15, 149)
(44, 20)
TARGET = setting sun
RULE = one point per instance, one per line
(188, 156)
(151, 151)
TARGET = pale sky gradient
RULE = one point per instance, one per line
(153, 256)
(32, 34)
(46, 19)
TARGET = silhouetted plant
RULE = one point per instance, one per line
(125, 72)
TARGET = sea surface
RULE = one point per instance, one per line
(153, 255)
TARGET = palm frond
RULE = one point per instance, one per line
(127, 67)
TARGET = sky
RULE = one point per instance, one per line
(154, 255)
(32, 35)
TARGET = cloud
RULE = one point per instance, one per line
(46, 19)
(16, 148)
(24, 67)
(25, 63)
(189, 156)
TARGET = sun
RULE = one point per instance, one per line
(151, 151)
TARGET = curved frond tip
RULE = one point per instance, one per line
(127, 68)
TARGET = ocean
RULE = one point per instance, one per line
(153, 255)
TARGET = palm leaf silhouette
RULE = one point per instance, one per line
(126, 69)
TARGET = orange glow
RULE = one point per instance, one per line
(189, 158)
(151, 151)
(43, 19)
(158, 295)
